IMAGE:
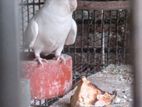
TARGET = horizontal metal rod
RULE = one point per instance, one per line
(95, 5)
(105, 5)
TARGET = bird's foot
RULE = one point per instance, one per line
(61, 59)
(41, 60)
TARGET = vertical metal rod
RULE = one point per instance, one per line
(40, 103)
(9, 54)
(88, 39)
(34, 102)
(137, 31)
(109, 36)
(28, 11)
(125, 35)
(22, 17)
(103, 38)
(82, 35)
(94, 36)
(33, 7)
(75, 46)
(116, 39)
(39, 4)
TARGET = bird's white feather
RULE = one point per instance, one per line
(52, 27)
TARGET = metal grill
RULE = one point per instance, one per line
(102, 39)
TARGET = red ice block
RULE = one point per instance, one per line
(50, 80)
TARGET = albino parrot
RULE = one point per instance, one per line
(52, 28)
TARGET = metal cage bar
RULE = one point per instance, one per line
(137, 52)
(9, 54)
(97, 43)
(106, 43)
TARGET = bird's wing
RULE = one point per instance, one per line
(31, 34)
(72, 34)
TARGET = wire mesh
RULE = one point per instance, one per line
(102, 39)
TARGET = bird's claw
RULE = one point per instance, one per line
(41, 60)
(61, 59)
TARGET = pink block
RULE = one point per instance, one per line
(50, 80)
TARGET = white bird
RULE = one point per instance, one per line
(52, 28)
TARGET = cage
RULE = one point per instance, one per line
(102, 39)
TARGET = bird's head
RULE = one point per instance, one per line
(69, 5)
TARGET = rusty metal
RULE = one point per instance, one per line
(105, 5)
(95, 5)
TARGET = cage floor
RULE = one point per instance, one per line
(113, 77)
